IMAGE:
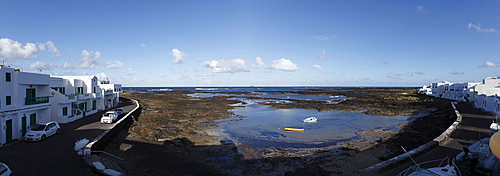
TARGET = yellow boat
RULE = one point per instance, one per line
(293, 129)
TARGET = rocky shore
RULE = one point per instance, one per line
(176, 134)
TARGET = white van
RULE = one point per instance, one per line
(109, 117)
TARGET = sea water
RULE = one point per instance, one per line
(263, 125)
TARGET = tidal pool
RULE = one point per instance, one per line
(263, 126)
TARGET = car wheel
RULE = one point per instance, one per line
(57, 132)
(43, 137)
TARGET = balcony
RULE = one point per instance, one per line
(71, 96)
(36, 100)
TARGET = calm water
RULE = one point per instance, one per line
(263, 125)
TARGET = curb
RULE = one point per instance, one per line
(87, 150)
(441, 139)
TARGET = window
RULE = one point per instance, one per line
(62, 90)
(65, 111)
(30, 93)
(8, 100)
(94, 104)
(7, 77)
(79, 90)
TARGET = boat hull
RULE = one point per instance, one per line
(293, 129)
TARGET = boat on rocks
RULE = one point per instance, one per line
(433, 168)
(294, 129)
(310, 120)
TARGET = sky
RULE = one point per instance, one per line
(254, 43)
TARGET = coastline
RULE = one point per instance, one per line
(346, 159)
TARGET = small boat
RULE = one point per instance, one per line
(494, 127)
(310, 119)
(434, 167)
(294, 129)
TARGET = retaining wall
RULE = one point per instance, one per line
(106, 137)
(384, 166)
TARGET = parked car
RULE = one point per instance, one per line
(40, 131)
(119, 111)
(109, 117)
(5, 170)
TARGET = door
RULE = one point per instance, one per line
(32, 119)
(8, 132)
(23, 128)
(30, 93)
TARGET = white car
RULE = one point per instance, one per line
(40, 131)
(109, 117)
(4, 170)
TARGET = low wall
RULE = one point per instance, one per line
(106, 137)
(384, 166)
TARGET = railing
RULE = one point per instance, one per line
(71, 96)
(36, 100)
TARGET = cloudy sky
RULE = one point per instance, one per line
(260, 43)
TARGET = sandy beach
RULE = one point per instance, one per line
(176, 134)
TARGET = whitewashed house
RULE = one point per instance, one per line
(29, 98)
(75, 97)
(438, 89)
(489, 87)
(111, 92)
(24, 100)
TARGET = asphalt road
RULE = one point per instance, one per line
(55, 156)
(475, 126)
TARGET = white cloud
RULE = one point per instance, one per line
(40, 66)
(322, 37)
(52, 48)
(16, 50)
(260, 63)
(283, 64)
(178, 56)
(488, 64)
(66, 65)
(479, 29)
(384, 62)
(322, 55)
(117, 64)
(457, 73)
(420, 9)
(102, 75)
(394, 76)
(226, 66)
(318, 67)
(90, 59)
(143, 45)
(128, 71)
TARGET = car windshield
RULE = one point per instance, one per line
(109, 114)
(37, 127)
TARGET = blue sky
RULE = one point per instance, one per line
(260, 43)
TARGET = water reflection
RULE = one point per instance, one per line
(263, 125)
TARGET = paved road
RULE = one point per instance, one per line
(475, 125)
(55, 156)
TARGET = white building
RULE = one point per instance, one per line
(74, 97)
(24, 101)
(111, 92)
(29, 98)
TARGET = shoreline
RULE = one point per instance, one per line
(213, 149)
